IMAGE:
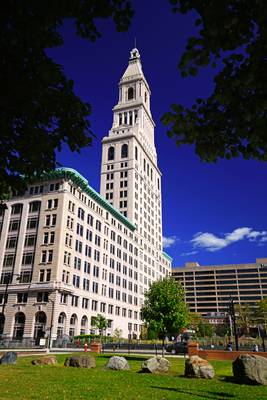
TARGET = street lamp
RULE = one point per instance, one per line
(231, 307)
(49, 344)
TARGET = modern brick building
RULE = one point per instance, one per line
(68, 253)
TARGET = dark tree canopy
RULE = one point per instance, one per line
(39, 110)
(232, 121)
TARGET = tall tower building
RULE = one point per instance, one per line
(67, 253)
(130, 177)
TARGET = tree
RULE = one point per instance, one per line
(164, 309)
(200, 326)
(232, 38)
(261, 312)
(38, 106)
(117, 334)
(244, 317)
(101, 323)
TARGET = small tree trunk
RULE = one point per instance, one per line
(163, 341)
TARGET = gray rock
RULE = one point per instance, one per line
(10, 357)
(117, 363)
(156, 365)
(197, 367)
(80, 362)
(45, 361)
(250, 369)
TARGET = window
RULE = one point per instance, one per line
(34, 206)
(74, 303)
(47, 256)
(111, 153)
(30, 240)
(45, 275)
(124, 151)
(136, 153)
(81, 213)
(16, 209)
(50, 220)
(94, 305)
(22, 297)
(52, 203)
(25, 276)
(13, 225)
(27, 258)
(95, 287)
(76, 281)
(85, 304)
(11, 242)
(130, 93)
(9, 260)
(49, 238)
(42, 297)
(5, 278)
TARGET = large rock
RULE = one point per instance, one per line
(80, 362)
(117, 363)
(10, 357)
(197, 367)
(250, 369)
(156, 365)
(45, 361)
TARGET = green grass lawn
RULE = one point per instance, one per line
(25, 381)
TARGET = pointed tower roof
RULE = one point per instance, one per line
(134, 70)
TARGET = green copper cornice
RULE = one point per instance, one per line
(169, 258)
(82, 183)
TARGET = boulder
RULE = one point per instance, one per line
(117, 363)
(156, 365)
(10, 357)
(197, 367)
(45, 361)
(250, 369)
(80, 362)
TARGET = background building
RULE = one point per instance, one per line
(208, 288)
(68, 253)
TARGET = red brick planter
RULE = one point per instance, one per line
(96, 347)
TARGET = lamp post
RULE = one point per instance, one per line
(49, 344)
(232, 315)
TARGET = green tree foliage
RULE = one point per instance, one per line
(200, 326)
(261, 312)
(100, 322)
(232, 37)
(244, 317)
(38, 107)
(164, 308)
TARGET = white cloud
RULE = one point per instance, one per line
(189, 253)
(169, 241)
(210, 242)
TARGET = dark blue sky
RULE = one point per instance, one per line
(216, 212)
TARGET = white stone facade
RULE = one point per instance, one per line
(68, 253)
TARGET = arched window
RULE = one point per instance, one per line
(18, 331)
(40, 325)
(111, 153)
(124, 151)
(16, 209)
(73, 322)
(130, 93)
(61, 325)
(34, 206)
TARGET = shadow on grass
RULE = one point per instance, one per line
(232, 379)
(126, 356)
(203, 393)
